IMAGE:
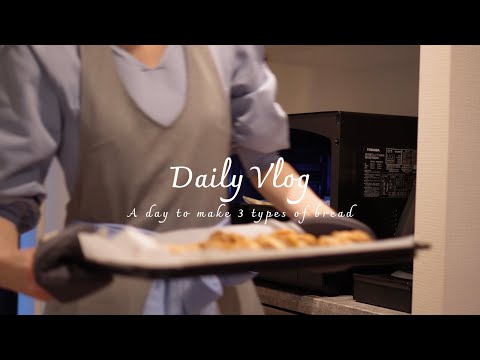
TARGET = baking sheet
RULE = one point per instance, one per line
(135, 253)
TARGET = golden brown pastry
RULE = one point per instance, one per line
(279, 239)
(352, 235)
(270, 242)
(292, 238)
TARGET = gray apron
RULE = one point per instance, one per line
(125, 160)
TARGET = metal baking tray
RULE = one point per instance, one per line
(137, 254)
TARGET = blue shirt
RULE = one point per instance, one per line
(40, 105)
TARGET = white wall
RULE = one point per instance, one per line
(376, 79)
(448, 196)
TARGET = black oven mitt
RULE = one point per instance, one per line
(325, 225)
(62, 270)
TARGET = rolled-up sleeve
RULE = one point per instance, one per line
(30, 127)
(260, 126)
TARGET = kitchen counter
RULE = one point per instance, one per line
(280, 300)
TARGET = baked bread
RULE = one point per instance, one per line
(279, 239)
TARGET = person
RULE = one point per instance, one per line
(118, 117)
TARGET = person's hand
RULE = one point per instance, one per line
(60, 267)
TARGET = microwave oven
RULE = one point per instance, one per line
(363, 160)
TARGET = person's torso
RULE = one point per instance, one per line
(131, 167)
(126, 158)
(63, 67)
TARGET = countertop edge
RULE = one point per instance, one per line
(295, 301)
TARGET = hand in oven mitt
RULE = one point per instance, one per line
(61, 269)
